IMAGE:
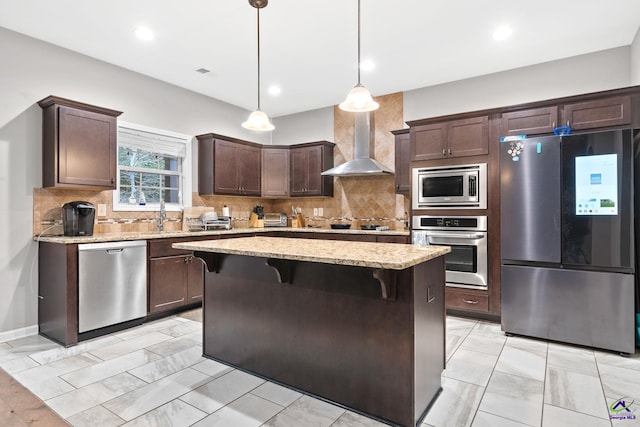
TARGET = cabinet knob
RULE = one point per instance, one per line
(444, 152)
(568, 122)
(449, 151)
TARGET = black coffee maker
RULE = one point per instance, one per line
(78, 218)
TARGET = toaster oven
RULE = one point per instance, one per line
(275, 220)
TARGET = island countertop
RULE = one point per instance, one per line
(391, 256)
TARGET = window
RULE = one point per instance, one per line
(153, 164)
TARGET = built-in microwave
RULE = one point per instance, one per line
(450, 187)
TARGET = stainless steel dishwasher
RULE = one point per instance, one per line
(112, 283)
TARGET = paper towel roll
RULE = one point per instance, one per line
(225, 211)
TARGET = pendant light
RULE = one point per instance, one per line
(359, 99)
(258, 120)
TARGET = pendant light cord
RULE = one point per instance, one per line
(258, 9)
(358, 42)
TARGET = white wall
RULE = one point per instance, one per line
(309, 126)
(594, 72)
(32, 70)
(635, 60)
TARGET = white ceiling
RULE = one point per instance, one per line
(309, 48)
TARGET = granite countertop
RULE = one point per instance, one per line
(148, 235)
(361, 254)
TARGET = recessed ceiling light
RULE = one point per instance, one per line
(367, 65)
(503, 32)
(274, 90)
(144, 33)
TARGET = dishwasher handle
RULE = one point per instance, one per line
(114, 251)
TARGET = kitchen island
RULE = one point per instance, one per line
(356, 323)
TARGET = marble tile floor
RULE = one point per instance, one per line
(155, 375)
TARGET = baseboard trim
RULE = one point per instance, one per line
(18, 333)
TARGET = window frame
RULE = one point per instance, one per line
(185, 178)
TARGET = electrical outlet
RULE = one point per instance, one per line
(320, 212)
(102, 209)
(315, 211)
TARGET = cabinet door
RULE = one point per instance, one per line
(249, 170)
(87, 148)
(429, 141)
(468, 137)
(314, 169)
(299, 171)
(403, 163)
(205, 166)
(225, 170)
(614, 111)
(167, 283)
(275, 172)
(195, 279)
(530, 122)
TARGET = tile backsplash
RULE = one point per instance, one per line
(359, 200)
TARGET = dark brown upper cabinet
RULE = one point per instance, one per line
(228, 166)
(530, 122)
(79, 145)
(275, 172)
(601, 113)
(403, 161)
(456, 138)
(307, 163)
(585, 115)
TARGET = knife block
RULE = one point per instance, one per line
(254, 222)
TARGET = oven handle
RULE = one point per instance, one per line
(456, 236)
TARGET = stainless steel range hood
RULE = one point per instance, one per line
(364, 141)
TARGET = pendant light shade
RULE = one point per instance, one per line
(258, 120)
(359, 99)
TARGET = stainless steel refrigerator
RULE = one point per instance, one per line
(567, 239)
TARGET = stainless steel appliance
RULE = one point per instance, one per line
(450, 187)
(78, 218)
(200, 224)
(466, 265)
(112, 283)
(567, 251)
(275, 219)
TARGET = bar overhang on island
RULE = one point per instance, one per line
(358, 324)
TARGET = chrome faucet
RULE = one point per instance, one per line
(163, 216)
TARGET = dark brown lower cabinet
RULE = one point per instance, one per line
(167, 283)
(467, 300)
(195, 279)
(176, 277)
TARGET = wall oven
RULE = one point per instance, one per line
(467, 263)
(450, 187)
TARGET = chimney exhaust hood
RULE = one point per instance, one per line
(364, 142)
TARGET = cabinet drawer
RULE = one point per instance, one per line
(393, 239)
(468, 301)
(162, 247)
